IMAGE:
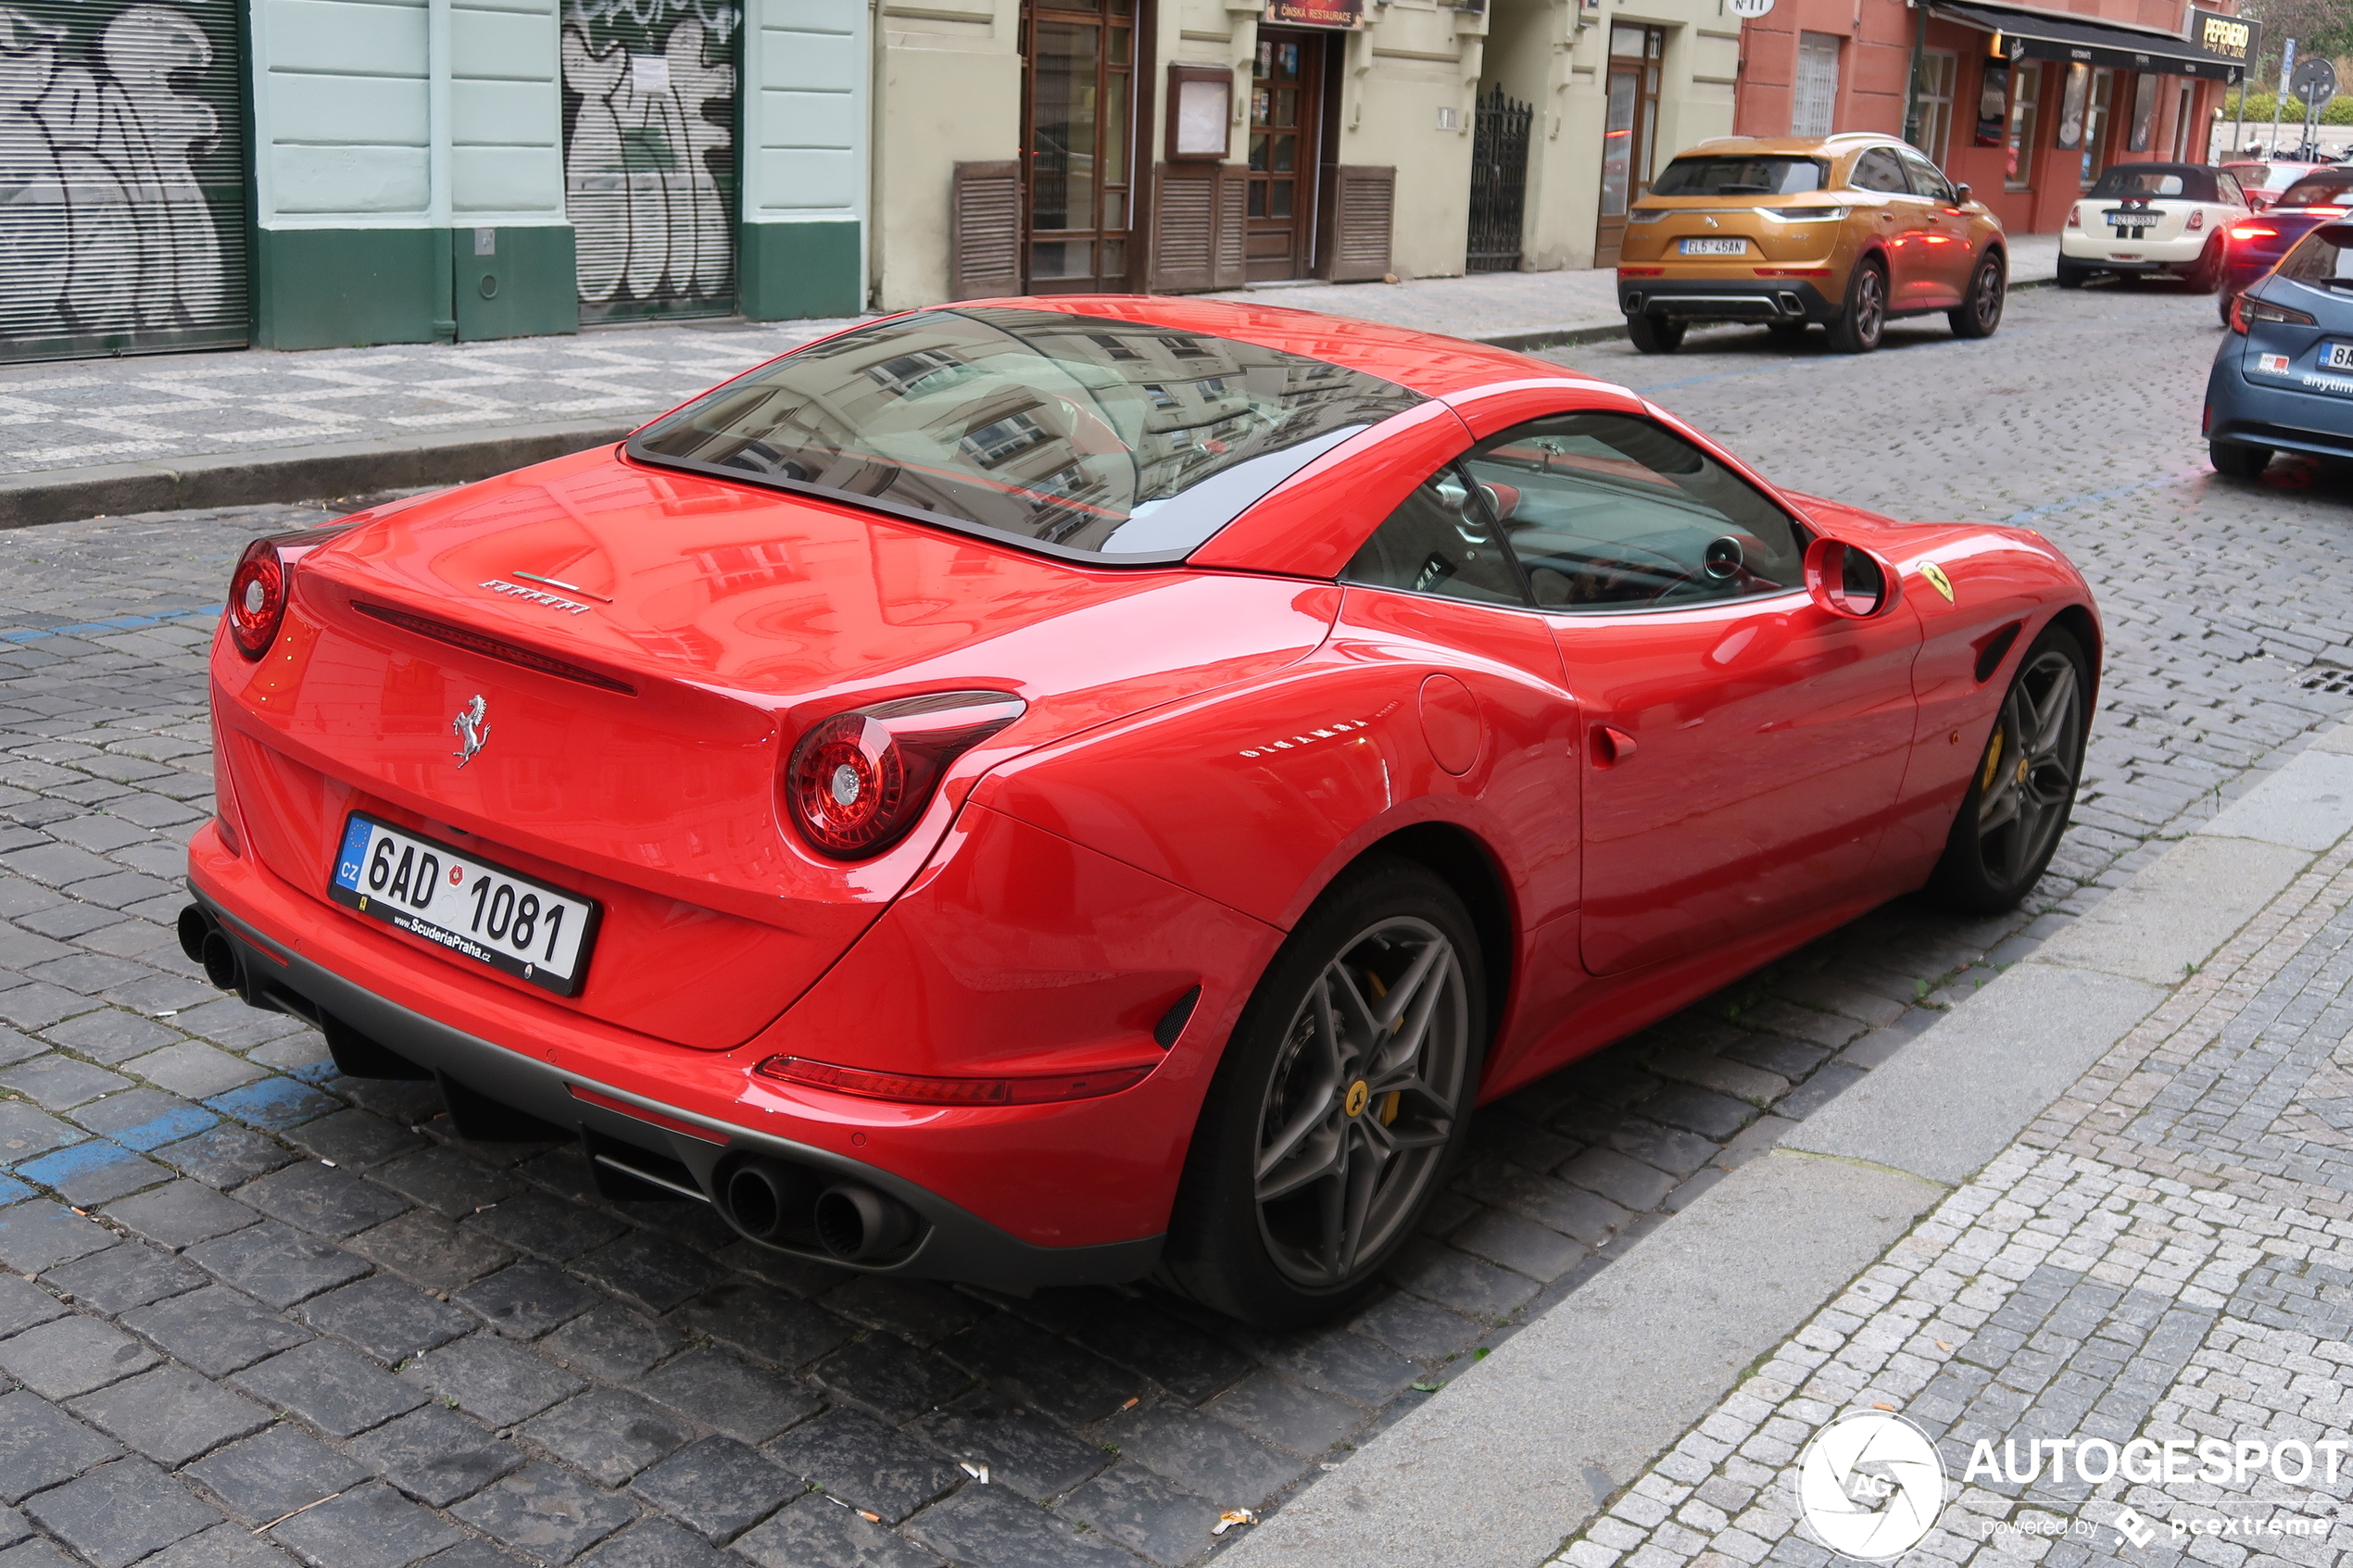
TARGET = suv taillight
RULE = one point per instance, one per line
(257, 589)
(859, 780)
(2246, 310)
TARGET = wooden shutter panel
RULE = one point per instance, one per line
(1184, 229)
(984, 229)
(1233, 219)
(1359, 211)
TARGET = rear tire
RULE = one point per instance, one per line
(2236, 460)
(2208, 275)
(2020, 795)
(2073, 274)
(1857, 328)
(1654, 334)
(1981, 308)
(1307, 1172)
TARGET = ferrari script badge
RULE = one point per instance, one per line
(471, 728)
(1937, 580)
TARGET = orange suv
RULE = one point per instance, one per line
(1848, 230)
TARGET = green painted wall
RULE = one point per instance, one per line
(788, 270)
(523, 289)
(342, 288)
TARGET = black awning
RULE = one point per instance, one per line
(2033, 36)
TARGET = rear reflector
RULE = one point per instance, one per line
(671, 1123)
(908, 1088)
(1642, 272)
(492, 647)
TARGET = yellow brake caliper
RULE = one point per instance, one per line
(1993, 763)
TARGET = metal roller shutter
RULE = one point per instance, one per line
(122, 179)
(649, 158)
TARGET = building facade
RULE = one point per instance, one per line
(311, 174)
(2026, 105)
(1045, 146)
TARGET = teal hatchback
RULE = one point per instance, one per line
(2283, 381)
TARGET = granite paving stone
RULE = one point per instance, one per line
(436, 1456)
(610, 1434)
(879, 1372)
(321, 1198)
(72, 1355)
(120, 1512)
(389, 1320)
(611, 1342)
(123, 1277)
(1286, 1415)
(867, 1464)
(545, 1513)
(40, 1446)
(492, 1380)
(528, 1299)
(369, 1526)
(1202, 1454)
(328, 1386)
(270, 1474)
(1144, 1512)
(989, 1527)
(722, 1392)
(171, 1414)
(23, 1303)
(215, 1330)
(719, 1487)
(277, 1263)
(180, 1214)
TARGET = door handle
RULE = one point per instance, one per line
(1611, 746)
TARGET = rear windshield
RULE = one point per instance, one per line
(2322, 191)
(2323, 259)
(2156, 180)
(1074, 435)
(2264, 176)
(1727, 176)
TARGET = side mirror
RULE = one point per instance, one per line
(1850, 582)
(1960, 196)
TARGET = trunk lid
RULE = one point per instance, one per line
(646, 646)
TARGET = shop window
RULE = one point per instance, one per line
(2144, 135)
(2099, 111)
(1993, 102)
(2026, 95)
(1814, 106)
(1932, 103)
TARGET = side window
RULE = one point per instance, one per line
(1925, 180)
(2231, 194)
(1441, 541)
(1605, 511)
(1877, 171)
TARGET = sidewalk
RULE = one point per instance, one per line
(88, 437)
(2109, 1197)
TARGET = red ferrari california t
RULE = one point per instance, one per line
(1063, 790)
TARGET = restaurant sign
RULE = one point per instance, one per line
(1346, 15)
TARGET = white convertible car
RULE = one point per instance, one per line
(2163, 219)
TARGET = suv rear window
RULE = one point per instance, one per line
(1077, 435)
(1729, 175)
(2323, 259)
(2325, 191)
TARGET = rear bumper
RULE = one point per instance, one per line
(1711, 299)
(2281, 418)
(692, 1150)
(2148, 255)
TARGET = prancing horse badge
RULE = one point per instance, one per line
(1930, 569)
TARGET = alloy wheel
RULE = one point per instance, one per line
(1362, 1101)
(1870, 306)
(1985, 298)
(2026, 779)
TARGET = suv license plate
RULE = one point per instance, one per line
(464, 905)
(1715, 247)
(2336, 357)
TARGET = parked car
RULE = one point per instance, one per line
(1044, 791)
(2282, 380)
(2152, 220)
(2257, 242)
(1849, 230)
(2261, 182)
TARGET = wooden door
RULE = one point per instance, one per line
(1635, 54)
(1286, 145)
(1077, 112)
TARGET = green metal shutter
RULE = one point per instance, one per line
(649, 158)
(122, 224)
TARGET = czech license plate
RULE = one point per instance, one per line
(464, 905)
(1715, 247)
(2121, 219)
(2336, 357)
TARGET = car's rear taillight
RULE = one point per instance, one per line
(2074, 219)
(2252, 232)
(2198, 221)
(2245, 310)
(257, 589)
(859, 780)
(910, 1088)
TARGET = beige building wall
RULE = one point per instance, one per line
(947, 91)
(1554, 54)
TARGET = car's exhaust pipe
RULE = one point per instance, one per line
(201, 940)
(855, 1222)
(771, 1202)
(1790, 304)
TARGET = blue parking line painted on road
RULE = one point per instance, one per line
(274, 1103)
(13, 1190)
(2068, 503)
(171, 1127)
(120, 623)
(57, 1168)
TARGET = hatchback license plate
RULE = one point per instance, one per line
(1715, 247)
(464, 904)
(2336, 357)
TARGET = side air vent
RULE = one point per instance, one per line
(492, 647)
(1991, 650)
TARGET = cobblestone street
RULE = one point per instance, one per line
(254, 1309)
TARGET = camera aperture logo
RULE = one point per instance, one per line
(1871, 1484)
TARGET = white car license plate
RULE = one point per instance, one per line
(2336, 357)
(1715, 247)
(465, 905)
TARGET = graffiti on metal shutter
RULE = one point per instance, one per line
(650, 155)
(120, 191)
